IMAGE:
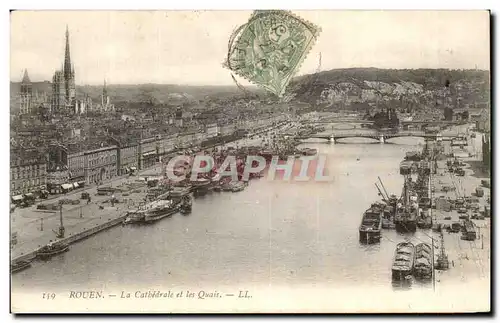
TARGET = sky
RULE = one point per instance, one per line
(189, 47)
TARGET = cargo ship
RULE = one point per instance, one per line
(423, 263)
(406, 220)
(160, 209)
(402, 265)
(407, 212)
(371, 224)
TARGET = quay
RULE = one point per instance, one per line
(77, 237)
(456, 204)
(469, 260)
(36, 228)
(446, 188)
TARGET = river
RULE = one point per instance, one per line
(273, 234)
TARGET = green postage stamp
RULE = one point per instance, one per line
(270, 47)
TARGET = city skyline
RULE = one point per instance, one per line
(126, 47)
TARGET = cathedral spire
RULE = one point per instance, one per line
(26, 78)
(104, 90)
(67, 57)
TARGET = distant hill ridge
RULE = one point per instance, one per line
(372, 84)
(305, 88)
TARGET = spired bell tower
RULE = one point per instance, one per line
(26, 95)
(69, 74)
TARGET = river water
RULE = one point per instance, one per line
(274, 233)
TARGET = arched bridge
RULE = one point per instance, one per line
(404, 123)
(344, 120)
(381, 136)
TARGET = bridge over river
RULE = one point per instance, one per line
(381, 136)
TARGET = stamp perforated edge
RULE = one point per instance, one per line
(315, 30)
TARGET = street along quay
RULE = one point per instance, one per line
(34, 228)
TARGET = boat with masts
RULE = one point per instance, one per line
(389, 205)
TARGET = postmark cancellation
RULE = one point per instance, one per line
(269, 49)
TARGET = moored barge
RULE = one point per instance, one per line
(424, 258)
(402, 265)
(371, 224)
(20, 265)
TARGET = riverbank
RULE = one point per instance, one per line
(469, 260)
(36, 228)
(299, 234)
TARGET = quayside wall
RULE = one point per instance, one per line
(79, 236)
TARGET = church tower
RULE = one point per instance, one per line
(26, 94)
(69, 74)
(58, 92)
(105, 103)
(104, 90)
(63, 84)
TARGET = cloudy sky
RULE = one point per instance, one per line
(186, 47)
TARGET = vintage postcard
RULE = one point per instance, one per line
(267, 161)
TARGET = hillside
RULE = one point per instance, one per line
(429, 87)
(344, 88)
